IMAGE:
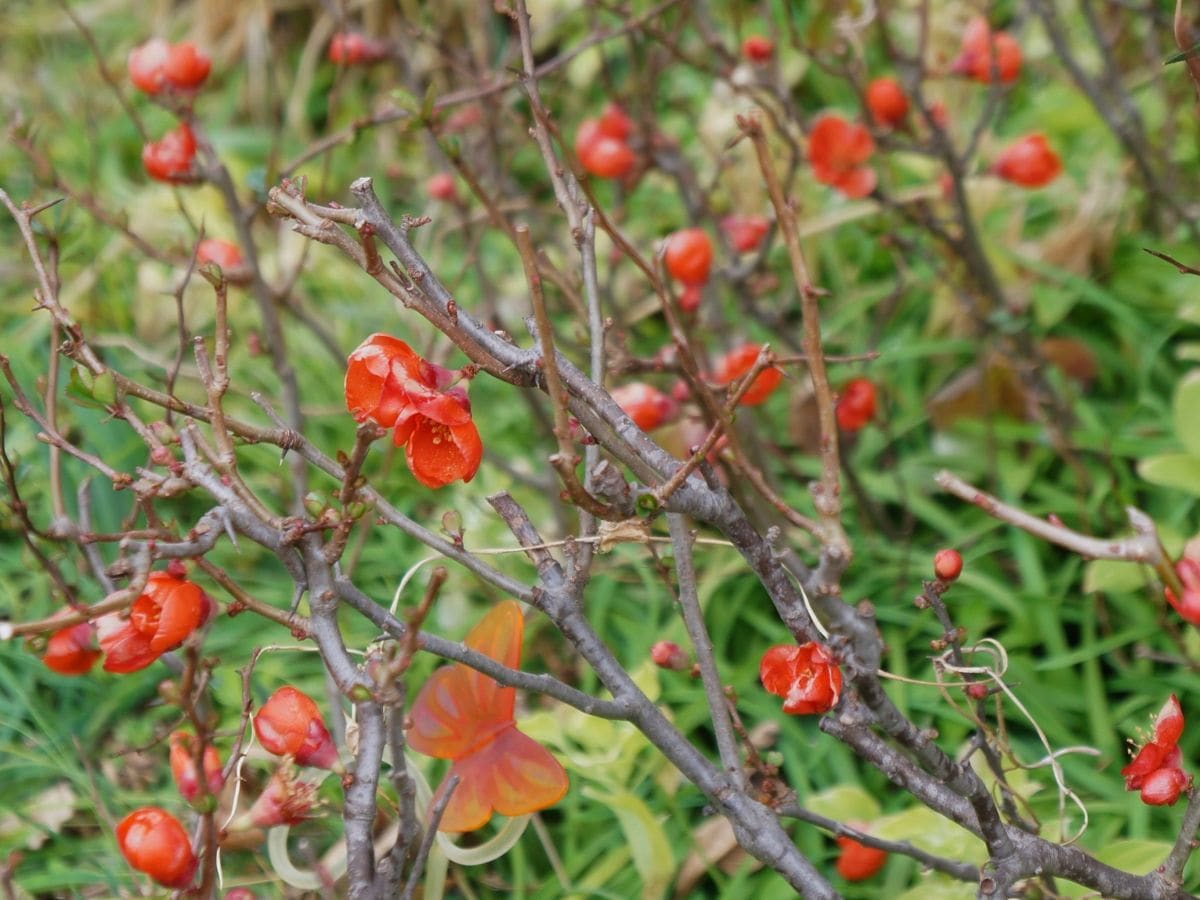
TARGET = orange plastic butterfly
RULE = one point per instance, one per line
(465, 716)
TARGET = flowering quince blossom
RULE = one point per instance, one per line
(388, 383)
(602, 144)
(291, 724)
(1156, 770)
(183, 767)
(975, 60)
(464, 716)
(1030, 162)
(1188, 605)
(169, 609)
(153, 841)
(285, 801)
(645, 404)
(745, 232)
(856, 405)
(887, 102)
(157, 65)
(837, 151)
(170, 158)
(807, 677)
(736, 363)
(72, 650)
(349, 48)
(858, 862)
(225, 254)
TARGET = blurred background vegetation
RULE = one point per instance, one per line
(1093, 649)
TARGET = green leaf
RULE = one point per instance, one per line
(1185, 410)
(1177, 470)
(846, 803)
(939, 887)
(1114, 576)
(1194, 50)
(924, 828)
(645, 837)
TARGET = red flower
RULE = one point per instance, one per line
(170, 158)
(887, 101)
(669, 655)
(745, 233)
(856, 405)
(153, 841)
(388, 383)
(837, 150)
(737, 363)
(441, 186)
(859, 862)
(1030, 162)
(349, 48)
(1156, 770)
(947, 564)
(169, 610)
(225, 254)
(601, 144)
(156, 66)
(183, 767)
(286, 801)
(689, 256)
(806, 676)
(464, 716)
(646, 405)
(290, 724)
(758, 49)
(975, 60)
(72, 650)
(146, 64)
(1189, 606)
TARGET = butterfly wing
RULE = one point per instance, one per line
(458, 707)
(512, 775)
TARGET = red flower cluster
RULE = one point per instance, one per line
(838, 151)
(158, 66)
(170, 609)
(645, 404)
(975, 60)
(602, 145)
(349, 48)
(1030, 162)
(1188, 605)
(806, 676)
(388, 383)
(153, 841)
(736, 363)
(745, 233)
(290, 724)
(1156, 770)
(171, 157)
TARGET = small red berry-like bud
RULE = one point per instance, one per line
(856, 406)
(349, 48)
(183, 767)
(72, 650)
(859, 862)
(669, 655)
(738, 362)
(615, 123)
(978, 44)
(170, 158)
(887, 102)
(947, 564)
(153, 841)
(442, 187)
(187, 66)
(290, 724)
(758, 49)
(977, 690)
(645, 404)
(601, 148)
(689, 256)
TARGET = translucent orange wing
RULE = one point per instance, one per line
(512, 775)
(458, 707)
